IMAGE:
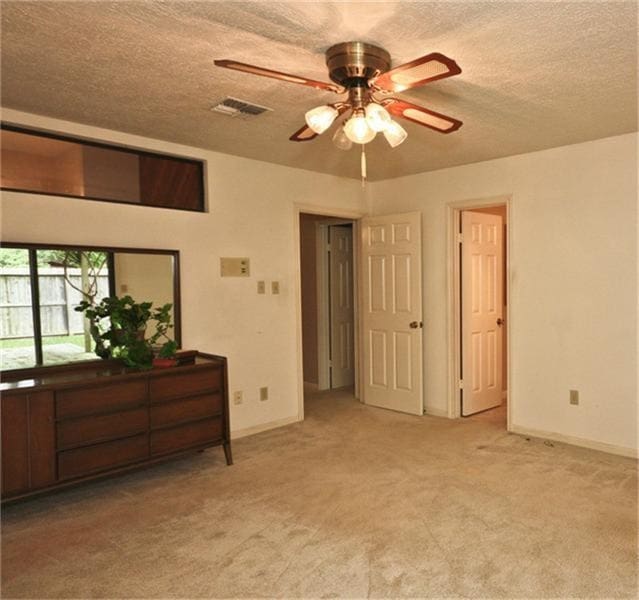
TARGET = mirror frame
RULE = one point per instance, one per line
(177, 303)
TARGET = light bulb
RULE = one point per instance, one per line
(377, 117)
(341, 140)
(357, 129)
(321, 118)
(395, 134)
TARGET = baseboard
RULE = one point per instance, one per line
(435, 412)
(576, 441)
(310, 388)
(240, 433)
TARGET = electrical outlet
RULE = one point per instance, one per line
(263, 394)
(237, 397)
(275, 287)
(574, 397)
(261, 287)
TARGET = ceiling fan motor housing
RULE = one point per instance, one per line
(352, 64)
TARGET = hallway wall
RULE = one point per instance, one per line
(251, 208)
(573, 312)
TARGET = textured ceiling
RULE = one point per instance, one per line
(535, 74)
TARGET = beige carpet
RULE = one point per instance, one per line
(353, 502)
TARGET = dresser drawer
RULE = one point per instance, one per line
(101, 398)
(185, 436)
(74, 432)
(82, 461)
(187, 384)
(187, 409)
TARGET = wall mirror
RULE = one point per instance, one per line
(40, 285)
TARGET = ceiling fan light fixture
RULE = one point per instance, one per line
(377, 117)
(357, 128)
(395, 134)
(341, 140)
(363, 71)
(319, 119)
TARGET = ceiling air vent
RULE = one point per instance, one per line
(232, 107)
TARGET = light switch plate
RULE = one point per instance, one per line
(261, 287)
(234, 267)
(275, 287)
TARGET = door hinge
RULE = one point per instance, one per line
(460, 238)
(461, 384)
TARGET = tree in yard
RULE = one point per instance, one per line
(91, 264)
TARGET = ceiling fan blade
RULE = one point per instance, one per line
(320, 85)
(305, 134)
(421, 116)
(427, 68)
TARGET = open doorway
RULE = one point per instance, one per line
(328, 302)
(479, 304)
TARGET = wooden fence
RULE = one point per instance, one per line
(57, 302)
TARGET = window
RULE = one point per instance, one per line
(17, 341)
(54, 281)
(44, 163)
(40, 286)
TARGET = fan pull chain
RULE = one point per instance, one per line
(363, 164)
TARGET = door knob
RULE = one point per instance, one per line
(415, 324)
(500, 321)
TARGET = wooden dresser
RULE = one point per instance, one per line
(62, 425)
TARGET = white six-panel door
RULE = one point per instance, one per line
(481, 309)
(392, 312)
(341, 306)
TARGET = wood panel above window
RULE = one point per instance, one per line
(45, 163)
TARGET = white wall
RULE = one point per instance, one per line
(573, 282)
(573, 270)
(251, 213)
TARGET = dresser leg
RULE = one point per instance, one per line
(227, 453)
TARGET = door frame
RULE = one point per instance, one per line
(323, 322)
(340, 213)
(453, 217)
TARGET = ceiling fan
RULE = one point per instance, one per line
(363, 72)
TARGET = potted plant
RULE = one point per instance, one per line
(118, 327)
(164, 352)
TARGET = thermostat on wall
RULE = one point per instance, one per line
(234, 267)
